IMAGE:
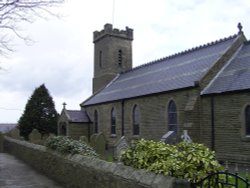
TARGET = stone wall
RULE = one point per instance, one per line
(82, 172)
(230, 141)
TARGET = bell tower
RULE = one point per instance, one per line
(112, 54)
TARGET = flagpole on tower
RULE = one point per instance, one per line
(113, 13)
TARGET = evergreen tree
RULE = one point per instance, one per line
(39, 113)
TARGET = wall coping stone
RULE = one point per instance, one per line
(111, 175)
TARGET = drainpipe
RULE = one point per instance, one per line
(212, 124)
(88, 132)
(122, 117)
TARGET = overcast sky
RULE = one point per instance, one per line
(62, 54)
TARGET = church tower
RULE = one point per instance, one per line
(112, 54)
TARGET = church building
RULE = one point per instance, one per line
(204, 90)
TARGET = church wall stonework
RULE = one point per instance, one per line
(230, 141)
(153, 116)
(76, 130)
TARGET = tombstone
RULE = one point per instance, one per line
(83, 139)
(169, 137)
(185, 137)
(34, 136)
(93, 140)
(14, 133)
(120, 146)
(100, 143)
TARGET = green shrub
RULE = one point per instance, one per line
(66, 145)
(190, 161)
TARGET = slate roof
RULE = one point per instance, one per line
(235, 76)
(178, 71)
(77, 116)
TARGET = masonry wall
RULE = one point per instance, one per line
(82, 172)
(153, 115)
(75, 130)
(230, 141)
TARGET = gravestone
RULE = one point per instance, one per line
(169, 137)
(100, 143)
(14, 133)
(83, 139)
(185, 137)
(120, 146)
(93, 140)
(34, 135)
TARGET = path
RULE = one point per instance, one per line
(16, 174)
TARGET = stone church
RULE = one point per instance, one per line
(204, 90)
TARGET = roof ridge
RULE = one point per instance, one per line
(184, 52)
(73, 110)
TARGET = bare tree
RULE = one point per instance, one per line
(15, 12)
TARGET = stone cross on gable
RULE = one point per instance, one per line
(240, 28)
(64, 105)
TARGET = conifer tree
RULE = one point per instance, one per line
(39, 113)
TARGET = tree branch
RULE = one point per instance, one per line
(15, 12)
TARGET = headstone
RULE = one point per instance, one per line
(83, 139)
(185, 137)
(100, 144)
(120, 146)
(93, 140)
(14, 133)
(35, 135)
(169, 137)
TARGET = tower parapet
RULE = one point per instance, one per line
(108, 30)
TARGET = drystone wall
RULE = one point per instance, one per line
(83, 172)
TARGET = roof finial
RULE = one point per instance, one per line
(64, 105)
(240, 28)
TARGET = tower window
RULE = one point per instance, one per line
(100, 59)
(120, 57)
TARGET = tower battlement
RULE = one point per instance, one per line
(108, 30)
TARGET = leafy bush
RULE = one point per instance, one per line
(190, 161)
(66, 145)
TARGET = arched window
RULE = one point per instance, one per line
(136, 120)
(113, 122)
(172, 116)
(247, 120)
(95, 122)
